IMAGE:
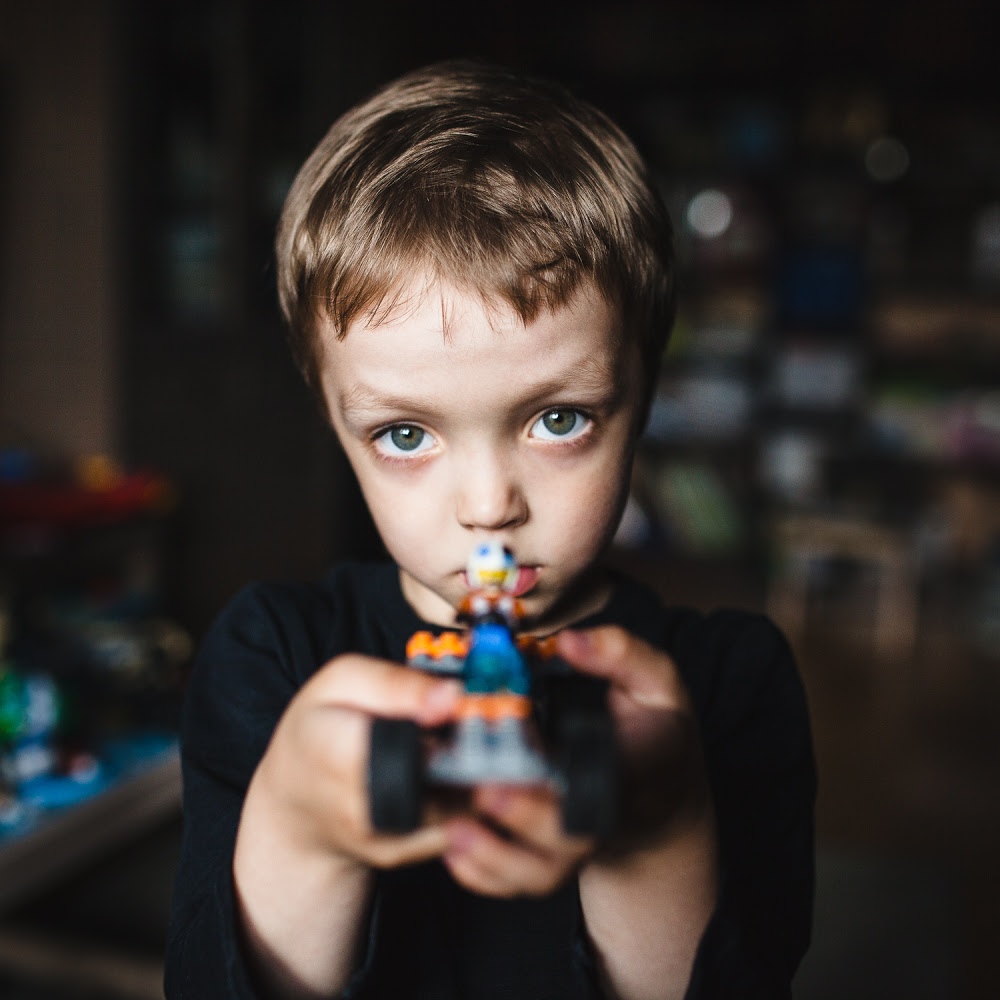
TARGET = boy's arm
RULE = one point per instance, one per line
(245, 679)
(648, 897)
(718, 902)
(305, 849)
(707, 890)
(646, 913)
(646, 907)
(241, 683)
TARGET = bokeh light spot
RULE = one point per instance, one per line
(709, 214)
(886, 159)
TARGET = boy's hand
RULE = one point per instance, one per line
(514, 845)
(517, 845)
(649, 893)
(663, 780)
(313, 777)
(305, 846)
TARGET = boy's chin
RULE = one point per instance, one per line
(435, 605)
(547, 611)
(550, 612)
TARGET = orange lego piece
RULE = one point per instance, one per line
(494, 707)
(451, 644)
(420, 644)
(531, 645)
(546, 647)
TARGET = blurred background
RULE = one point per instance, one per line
(824, 444)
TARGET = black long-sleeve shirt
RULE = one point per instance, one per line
(428, 937)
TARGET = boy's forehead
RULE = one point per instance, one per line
(390, 388)
(454, 341)
(445, 304)
(430, 325)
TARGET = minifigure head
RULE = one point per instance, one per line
(485, 180)
(491, 566)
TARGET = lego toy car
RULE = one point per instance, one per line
(526, 717)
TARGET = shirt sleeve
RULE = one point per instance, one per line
(242, 680)
(758, 749)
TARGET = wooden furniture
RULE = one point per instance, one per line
(802, 541)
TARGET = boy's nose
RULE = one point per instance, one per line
(489, 497)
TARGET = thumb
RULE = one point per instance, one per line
(380, 687)
(646, 674)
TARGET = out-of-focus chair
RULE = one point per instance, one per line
(802, 541)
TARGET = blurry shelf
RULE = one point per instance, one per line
(66, 840)
(710, 448)
(945, 369)
(913, 469)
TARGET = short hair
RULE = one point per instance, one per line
(489, 179)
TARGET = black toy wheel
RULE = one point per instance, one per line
(580, 732)
(589, 767)
(395, 769)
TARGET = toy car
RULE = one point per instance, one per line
(526, 717)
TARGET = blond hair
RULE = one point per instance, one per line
(490, 180)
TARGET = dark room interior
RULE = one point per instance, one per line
(824, 443)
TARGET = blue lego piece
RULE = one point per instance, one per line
(494, 662)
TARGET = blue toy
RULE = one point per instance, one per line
(494, 662)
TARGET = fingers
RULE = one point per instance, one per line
(317, 764)
(379, 687)
(391, 850)
(533, 814)
(529, 816)
(649, 676)
(486, 862)
(526, 853)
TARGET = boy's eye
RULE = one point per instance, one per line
(560, 425)
(404, 439)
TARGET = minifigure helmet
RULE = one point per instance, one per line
(492, 565)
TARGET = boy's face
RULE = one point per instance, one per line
(463, 424)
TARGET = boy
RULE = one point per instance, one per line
(477, 277)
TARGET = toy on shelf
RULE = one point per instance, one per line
(30, 707)
(525, 718)
(35, 772)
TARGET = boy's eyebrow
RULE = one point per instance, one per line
(595, 373)
(363, 398)
(592, 374)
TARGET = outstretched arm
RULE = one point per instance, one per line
(285, 919)
(648, 897)
(305, 849)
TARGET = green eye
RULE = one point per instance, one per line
(560, 425)
(560, 422)
(404, 440)
(407, 437)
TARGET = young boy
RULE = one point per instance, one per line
(477, 277)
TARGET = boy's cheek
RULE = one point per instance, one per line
(408, 522)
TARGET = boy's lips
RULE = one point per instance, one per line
(527, 577)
